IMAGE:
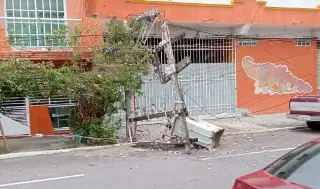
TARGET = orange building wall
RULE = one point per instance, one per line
(301, 62)
(243, 11)
(75, 9)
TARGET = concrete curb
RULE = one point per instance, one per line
(263, 131)
(49, 152)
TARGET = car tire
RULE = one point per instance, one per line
(314, 125)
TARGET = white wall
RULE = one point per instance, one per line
(270, 3)
(293, 3)
(222, 2)
(13, 128)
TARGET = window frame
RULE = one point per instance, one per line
(34, 20)
(287, 165)
(305, 42)
(56, 120)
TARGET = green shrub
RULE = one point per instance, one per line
(97, 133)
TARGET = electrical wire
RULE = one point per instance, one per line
(309, 74)
(199, 105)
(29, 39)
(210, 33)
(198, 29)
(196, 72)
(260, 65)
(261, 110)
(241, 70)
(277, 105)
(262, 99)
(215, 34)
(195, 30)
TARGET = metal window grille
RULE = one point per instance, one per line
(52, 102)
(33, 20)
(201, 50)
(303, 42)
(16, 109)
(62, 116)
(248, 42)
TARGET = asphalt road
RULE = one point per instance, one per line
(119, 168)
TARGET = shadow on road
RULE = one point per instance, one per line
(306, 131)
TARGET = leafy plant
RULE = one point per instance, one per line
(58, 37)
(11, 38)
(96, 91)
(97, 132)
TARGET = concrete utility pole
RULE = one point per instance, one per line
(4, 138)
(128, 96)
(179, 103)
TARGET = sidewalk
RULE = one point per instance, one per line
(153, 131)
(232, 123)
(38, 144)
(255, 122)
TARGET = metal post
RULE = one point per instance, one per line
(128, 112)
(133, 114)
(4, 138)
(180, 105)
(27, 103)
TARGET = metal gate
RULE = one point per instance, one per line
(208, 83)
(17, 109)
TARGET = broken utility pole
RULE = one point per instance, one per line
(180, 105)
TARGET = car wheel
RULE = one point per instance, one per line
(314, 125)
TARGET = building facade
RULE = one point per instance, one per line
(24, 29)
(248, 54)
(265, 46)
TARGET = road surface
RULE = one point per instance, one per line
(120, 168)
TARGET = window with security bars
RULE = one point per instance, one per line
(248, 42)
(31, 23)
(303, 42)
(200, 50)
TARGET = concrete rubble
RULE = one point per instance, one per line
(241, 121)
(154, 130)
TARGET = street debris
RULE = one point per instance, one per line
(208, 135)
(268, 147)
(177, 153)
(160, 144)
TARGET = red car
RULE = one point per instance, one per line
(298, 169)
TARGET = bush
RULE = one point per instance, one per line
(96, 85)
(97, 132)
